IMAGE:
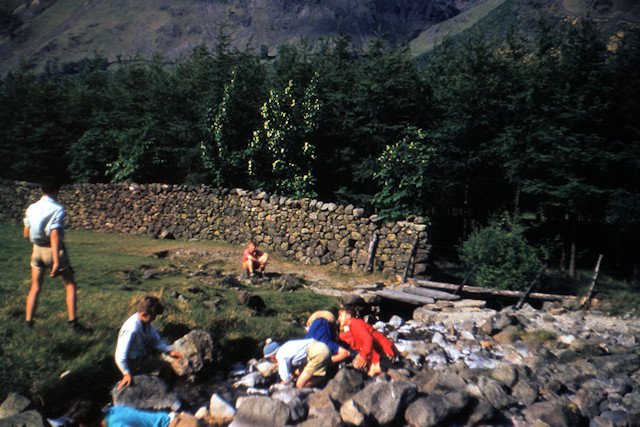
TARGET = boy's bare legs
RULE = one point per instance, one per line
(374, 370)
(262, 262)
(70, 284)
(37, 276)
(307, 380)
(248, 266)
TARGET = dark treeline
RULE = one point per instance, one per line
(543, 127)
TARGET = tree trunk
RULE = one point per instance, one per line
(572, 261)
(465, 210)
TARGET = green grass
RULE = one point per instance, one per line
(50, 361)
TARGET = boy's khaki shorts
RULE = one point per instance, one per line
(42, 257)
(318, 358)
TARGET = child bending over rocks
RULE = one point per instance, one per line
(371, 345)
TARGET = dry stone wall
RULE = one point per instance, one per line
(307, 230)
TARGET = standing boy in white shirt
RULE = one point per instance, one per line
(44, 226)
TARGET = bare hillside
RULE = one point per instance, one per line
(68, 30)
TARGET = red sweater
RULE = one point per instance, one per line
(248, 252)
(369, 343)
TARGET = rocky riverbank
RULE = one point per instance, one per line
(463, 364)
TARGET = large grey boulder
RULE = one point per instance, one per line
(494, 393)
(497, 323)
(611, 418)
(525, 392)
(292, 397)
(434, 408)
(384, 401)
(31, 418)
(197, 349)
(589, 398)
(480, 411)
(554, 413)
(146, 392)
(446, 380)
(220, 411)
(618, 363)
(254, 302)
(320, 405)
(505, 374)
(344, 384)
(13, 405)
(261, 411)
(352, 414)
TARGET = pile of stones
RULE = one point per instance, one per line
(462, 364)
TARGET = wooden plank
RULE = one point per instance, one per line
(405, 297)
(480, 291)
(431, 293)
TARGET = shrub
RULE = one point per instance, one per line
(505, 259)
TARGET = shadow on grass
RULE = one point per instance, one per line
(95, 384)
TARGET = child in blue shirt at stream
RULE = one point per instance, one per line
(317, 350)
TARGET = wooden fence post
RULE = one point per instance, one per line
(587, 301)
(373, 245)
(533, 282)
(414, 249)
(467, 277)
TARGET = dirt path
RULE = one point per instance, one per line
(228, 260)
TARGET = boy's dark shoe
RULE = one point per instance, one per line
(29, 324)
(77, 327)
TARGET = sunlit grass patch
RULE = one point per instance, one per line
(51, 361)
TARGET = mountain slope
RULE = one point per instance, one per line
(68, 30)
(496, 17)
(60, 31)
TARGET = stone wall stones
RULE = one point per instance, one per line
(306, 230)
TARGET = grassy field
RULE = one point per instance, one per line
(50, 360)
(50, 363)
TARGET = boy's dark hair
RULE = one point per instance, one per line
(150, 305)
(350, 310)
(49, 185)
(83, 411)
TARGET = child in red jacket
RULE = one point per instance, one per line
(370, 344)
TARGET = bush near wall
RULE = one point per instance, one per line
(306, 230)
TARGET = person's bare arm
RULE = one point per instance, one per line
(342, 354)
(359, 362)
(26, 232)
(175, 355)
(126, 380)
